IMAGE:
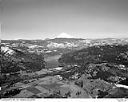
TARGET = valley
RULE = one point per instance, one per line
(64, 68)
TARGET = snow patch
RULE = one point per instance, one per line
(123, 86)
(7, 50)
(58, 68)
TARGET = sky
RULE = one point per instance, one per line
(40, 19)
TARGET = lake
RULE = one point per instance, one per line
(52, 61)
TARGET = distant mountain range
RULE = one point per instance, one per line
(65, 42)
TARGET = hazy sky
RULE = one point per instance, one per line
(39, 19)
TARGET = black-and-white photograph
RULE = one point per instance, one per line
(75, 49)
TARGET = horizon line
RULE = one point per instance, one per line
(68, 38)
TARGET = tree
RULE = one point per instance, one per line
(8, 63)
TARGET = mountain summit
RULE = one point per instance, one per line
(64, 35)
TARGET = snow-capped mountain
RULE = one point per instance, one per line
(64, 35)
